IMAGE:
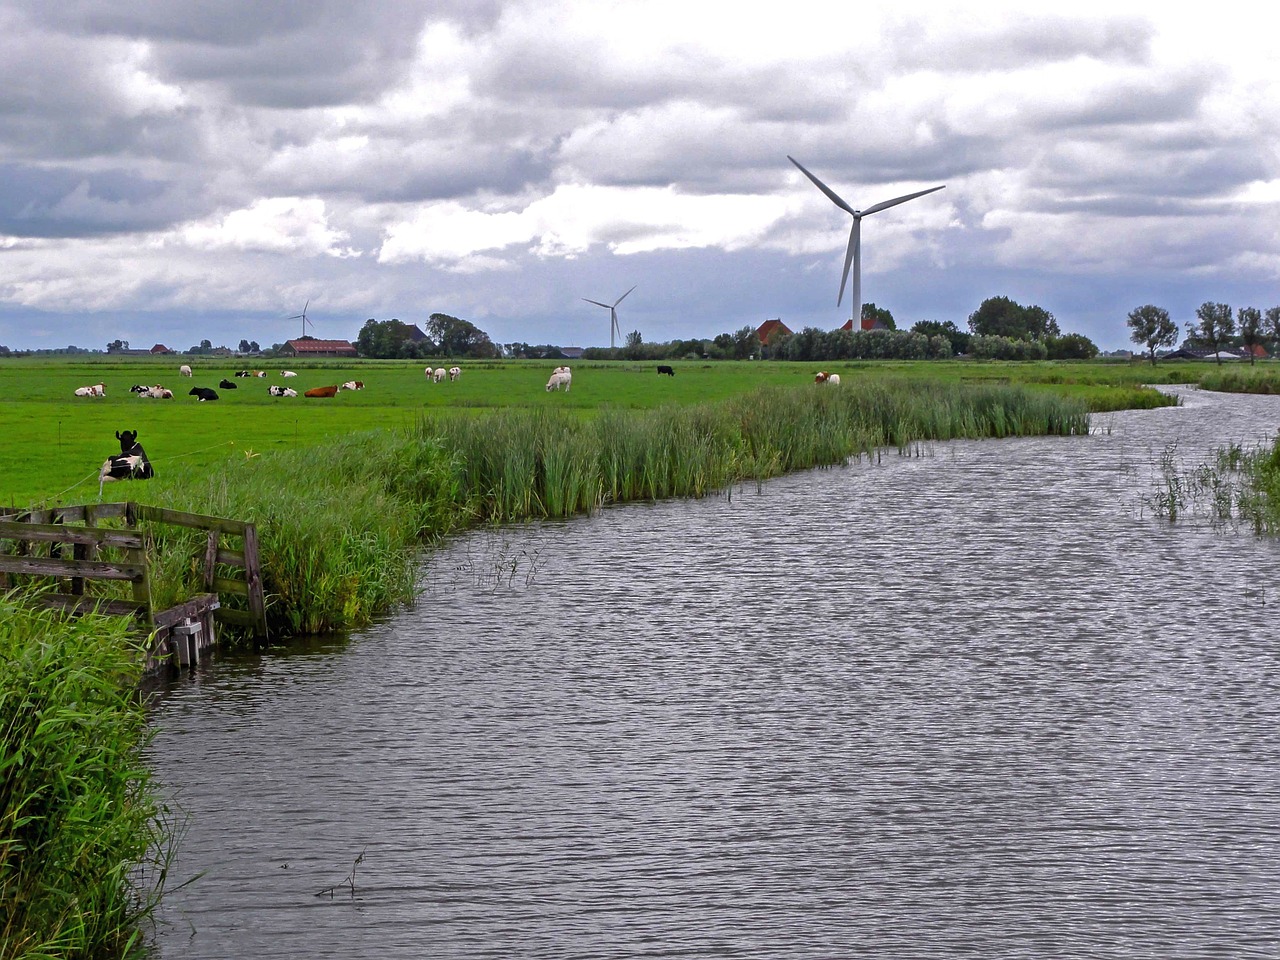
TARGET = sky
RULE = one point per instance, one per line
(179, 171)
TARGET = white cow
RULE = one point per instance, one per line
(455, 373)
(834, 379)
(438, 375)
(287, 373)
(97, 390)
(184, 370)
(282, 391)
(560, 377)
(158, 393)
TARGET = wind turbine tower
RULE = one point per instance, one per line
(614, 329)
(303, 317)
(853, 255)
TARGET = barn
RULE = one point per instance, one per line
(311, 347)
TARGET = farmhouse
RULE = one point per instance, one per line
(159, 349)
(772, 328)
(868, 323)
(311, 347)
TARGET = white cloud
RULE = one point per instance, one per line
(293, 225)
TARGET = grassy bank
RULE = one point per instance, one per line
(77, 816)
(340, 527)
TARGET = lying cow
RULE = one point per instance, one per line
(352, 385)
(663, 368)
(322, 392)
(282, 391)
(243, 373)
(287, 373)
(203, 393)
(157, 393)
(130, 464)
(139, 388)
(97, 390)
(226, 384)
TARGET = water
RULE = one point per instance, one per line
(973, 702)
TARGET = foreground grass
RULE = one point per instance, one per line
(78, 819)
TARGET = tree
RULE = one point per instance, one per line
(1151, 327)
(1273, 327)
(459, 337)
(631, 349)
(1250, 320)
(1002, 317)
(1213, 327)
(117, 346)
(1071, 346)
(944, 328)
(746, 344)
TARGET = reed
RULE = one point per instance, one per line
(1241, 380)
(83, 840)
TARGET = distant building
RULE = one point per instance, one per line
(159, 348)
(771, 328)
(572, 353)
(868, 323)
(312, 347)
(415, 333)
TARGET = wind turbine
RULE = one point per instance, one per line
(613, 315)
(303, 317)
(854, 253)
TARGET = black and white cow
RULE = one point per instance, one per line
(130, 464)
(204, 393)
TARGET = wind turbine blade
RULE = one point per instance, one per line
(831, 194)
(897, 200)
(624, 296)
(598, 303)
(855, 236)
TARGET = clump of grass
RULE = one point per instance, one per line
(83, 841)
(1241, 380)
(1236, 484)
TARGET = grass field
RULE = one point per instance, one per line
(56, 441)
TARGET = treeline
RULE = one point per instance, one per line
(445, 336)
(1215, 329)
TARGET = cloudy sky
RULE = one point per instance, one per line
(186, 170)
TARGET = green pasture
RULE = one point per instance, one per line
(56, 441)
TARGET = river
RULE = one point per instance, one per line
(972, 701)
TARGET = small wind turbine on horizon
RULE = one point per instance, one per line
(303, 317)
(854, 252)
(613, 316)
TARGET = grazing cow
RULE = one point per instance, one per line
(287, 373)
(663, 368)
(352, 385)
(322, 392)
(560, 377)
(834, 379)
(227, 384)
(184, 370)
(130, 464)
(455, 373)
(820, 377)
(282, 391)
(204, 393)
(439, 375)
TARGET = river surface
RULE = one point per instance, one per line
(976, 701)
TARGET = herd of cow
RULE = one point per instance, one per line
(158, 392)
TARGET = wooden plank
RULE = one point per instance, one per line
(81, 605)
(100, 511)
(231, 558)
(210, 560)
(200, 522)
(253, 575)
(90, 569)
(194, 608)
(60, 533)
(142, 585)
(225, 585)
(239, 618)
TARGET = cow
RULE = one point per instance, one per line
(259, 373)
(438, 375)
(157, 393)
(203, 393)
(352, 385)
(663, 368)
(322, 392)
(130, 464)
(97, 390)
(243, 373)
(833, 378)
(226, 384)
(287, 373)
(455, 373)
(184, 370)
(282, 391)
(560, 377)
(820, 377)
(139, 389)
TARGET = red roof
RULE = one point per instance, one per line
(769, 328)
(302, 347)
(868, 323)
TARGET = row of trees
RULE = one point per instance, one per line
(1215, 329)
(445, 336)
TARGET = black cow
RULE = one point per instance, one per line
(663, 368)
(204, 393)
(227, 384)
(243, 373)
(130, 464)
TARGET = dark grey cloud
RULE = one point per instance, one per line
(60, 202)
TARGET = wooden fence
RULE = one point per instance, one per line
(75, 529)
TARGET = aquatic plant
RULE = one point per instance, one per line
(1238, 484)
(83, 840)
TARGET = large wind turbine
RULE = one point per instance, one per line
(854, 253)
(613, 315)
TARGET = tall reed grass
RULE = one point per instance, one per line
(83, 841)
(1238, 484)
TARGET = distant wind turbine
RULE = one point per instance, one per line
(613, 315)
(854, 253)
(303, 317)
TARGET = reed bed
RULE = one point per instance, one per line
(1242, 380)
(83, 841)
(1238, 484)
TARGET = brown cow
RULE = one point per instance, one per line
(322, 392)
